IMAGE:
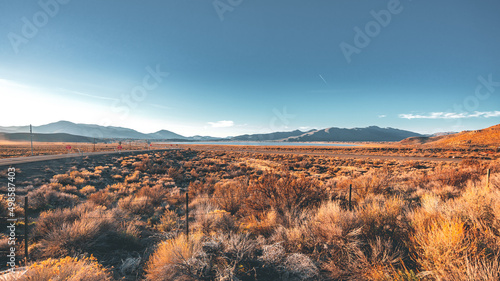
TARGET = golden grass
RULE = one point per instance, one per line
(68, 268)
(169, 260)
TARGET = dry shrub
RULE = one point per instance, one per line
(103, 198)
(260, 224)
(299, 267)
(382, 216)
(442, 246)
(284, 193)
(87, 190)
(337, 231)
(172, 258)
(137, 205)
(213, 221)
(273, 255)
(457, 177)
(62, 179)
(155, 193)
(134, 177)
(168, 221)
(45, 197)
(459, 239)
(68, 268)
(84, 229)
(230, 195)
(373, 182)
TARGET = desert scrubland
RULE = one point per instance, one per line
(261, 216)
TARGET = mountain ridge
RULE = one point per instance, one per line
(331, 134)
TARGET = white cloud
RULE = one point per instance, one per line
(221, 124)
(451, 115)
(382, 116)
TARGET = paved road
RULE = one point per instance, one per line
(21, 160)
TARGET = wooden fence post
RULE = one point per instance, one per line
(488, 178)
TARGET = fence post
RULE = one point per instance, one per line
(488, 178)
(350, 192)
(26, 256)
(187, 215)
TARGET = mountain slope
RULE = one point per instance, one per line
(485, 137)
(59, 137)
(372, 133)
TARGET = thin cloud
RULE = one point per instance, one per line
(451, 115)
(321, 76)
(221, 124)
(86, 95)
(382, 116)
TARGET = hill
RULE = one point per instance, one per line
(489, 137)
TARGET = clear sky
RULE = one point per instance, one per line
(229, 67)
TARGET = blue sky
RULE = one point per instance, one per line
(229, 67)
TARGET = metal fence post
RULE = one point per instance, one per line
(187, 215)
(26, 245)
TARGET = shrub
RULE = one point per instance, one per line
(171, 259)
(45, 198)
(168, 221)
(68, 268)
(229, 195)
(87, 190)
(284, 193)
(84, 229)
(299, 267)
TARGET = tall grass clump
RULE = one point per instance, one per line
(84, 229)
(68, 268)
(171, 260)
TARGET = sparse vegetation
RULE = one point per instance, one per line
(265, 216)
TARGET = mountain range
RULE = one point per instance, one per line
(372, 133)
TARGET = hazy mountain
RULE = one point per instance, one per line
(372, 133)
(90, 130)
(164, 134)
(15, 129)
(59, 137)
(204, 138)
(268, 137)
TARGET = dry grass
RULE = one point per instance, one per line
(171, 259)
(84, 269)
(286, 218)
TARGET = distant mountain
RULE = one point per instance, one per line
(489, 137)
(372, 133)
(92, 131)
(59, 137)
(164, 134)
(268, 137)
(333, 134)
(204, 138)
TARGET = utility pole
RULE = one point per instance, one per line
(31, 137)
